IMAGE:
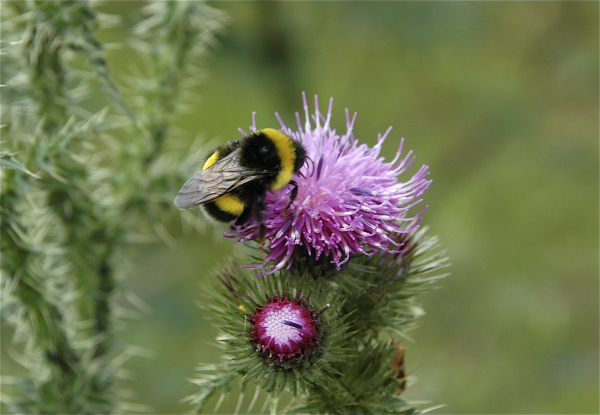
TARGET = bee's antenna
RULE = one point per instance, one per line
(292, 195)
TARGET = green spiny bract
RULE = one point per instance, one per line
(367, 384)
(366, 305)
(380, 289)
(234, 302)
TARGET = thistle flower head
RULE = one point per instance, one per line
(350, 201)
(349, 205)
(285, 328)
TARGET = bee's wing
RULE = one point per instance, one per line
(220, 178)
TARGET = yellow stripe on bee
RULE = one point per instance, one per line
(287, 155)
(227, 203)
(211, 160)
(230, 204)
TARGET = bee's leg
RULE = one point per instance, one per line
(255, 209)
(292, 195)
(244, 217)
(262, 230)
(259, 211)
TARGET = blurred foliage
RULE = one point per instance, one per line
(500, 99)
(74, 198)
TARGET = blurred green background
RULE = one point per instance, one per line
(500, 99)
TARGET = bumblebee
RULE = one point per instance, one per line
(235, 178)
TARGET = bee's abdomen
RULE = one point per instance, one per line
(214, 211)
(230, 204)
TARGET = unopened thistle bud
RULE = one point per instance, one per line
(285, 328)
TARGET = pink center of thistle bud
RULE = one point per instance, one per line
(284, 328)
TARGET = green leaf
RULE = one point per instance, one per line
(9, 162)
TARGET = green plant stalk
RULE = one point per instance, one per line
(68, 212)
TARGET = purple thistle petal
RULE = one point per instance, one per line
(349, 201)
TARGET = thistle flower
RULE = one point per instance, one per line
(284, 327)
(349, 200)
(350, 207)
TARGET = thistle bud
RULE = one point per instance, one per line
(285, 328)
